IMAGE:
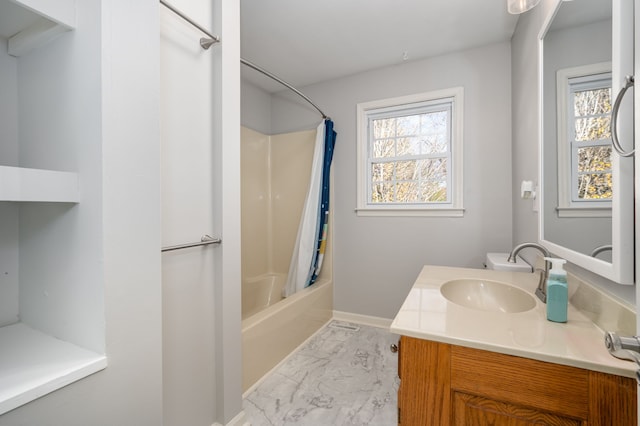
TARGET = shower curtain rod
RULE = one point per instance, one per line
(206, 43)
(284, 83)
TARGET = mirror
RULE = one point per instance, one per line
(586, 207)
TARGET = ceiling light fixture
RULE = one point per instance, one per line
(516, 7)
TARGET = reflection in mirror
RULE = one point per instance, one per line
(582, 181)
(577, 108)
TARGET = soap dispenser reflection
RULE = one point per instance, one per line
(557, 291)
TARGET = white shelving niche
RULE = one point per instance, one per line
(24, 184)
(51, 278)
(28, 24)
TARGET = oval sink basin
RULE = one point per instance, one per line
(486, 295)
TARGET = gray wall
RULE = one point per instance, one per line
(378, 258)
(256, 108)
(525, 110)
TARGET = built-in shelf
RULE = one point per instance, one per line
(28, 24)
(23, 184)
(33, 364)
(43, 250)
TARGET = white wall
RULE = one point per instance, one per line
(61, 245)
(524, 65)
(377, 259)
(200, 286)
(112, 55)
(188, 194)
(9, 243)
(226, 210)
(108, 117)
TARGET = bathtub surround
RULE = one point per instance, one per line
(345, 374)
(275, 178)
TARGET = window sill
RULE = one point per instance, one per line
(584, 211)
(407, 212)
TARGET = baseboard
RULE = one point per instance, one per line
(362, 319)
(239, 420)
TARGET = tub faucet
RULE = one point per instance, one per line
(541, 291)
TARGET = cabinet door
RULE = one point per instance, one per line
(473, 410)
(423, 396)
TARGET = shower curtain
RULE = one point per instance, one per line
(308, 253)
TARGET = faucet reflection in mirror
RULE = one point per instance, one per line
(515, 7)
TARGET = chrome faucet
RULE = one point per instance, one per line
(541, 291)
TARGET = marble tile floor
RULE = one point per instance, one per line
(344, 375)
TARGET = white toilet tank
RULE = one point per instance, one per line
(498, 262)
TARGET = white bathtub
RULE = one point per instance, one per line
(276, 326)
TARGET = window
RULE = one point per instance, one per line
(585, 186)
(410, 155)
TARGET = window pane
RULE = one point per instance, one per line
(384, 128)
(382, 192)
(433, 169)
(383, 148)
(407, 146)
(407, 192)
(594, 159)
(594, 128)
(434, 122)
(432, 192)
(409, 125)
(434, 144)
(595, 186)
(592, 102)
(406, 170)
(381, 171)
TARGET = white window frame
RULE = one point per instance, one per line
(567, 207)
(394, 107)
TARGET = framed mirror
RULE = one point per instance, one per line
(586, 204)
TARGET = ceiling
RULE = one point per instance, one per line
(305, 42)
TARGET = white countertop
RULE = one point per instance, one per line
(426, 314)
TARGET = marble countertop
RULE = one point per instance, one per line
(426, 314)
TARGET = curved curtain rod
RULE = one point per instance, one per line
(206, 43)
(284, 83)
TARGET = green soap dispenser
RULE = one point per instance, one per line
(557, 291)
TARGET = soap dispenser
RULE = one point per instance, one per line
(557, 291)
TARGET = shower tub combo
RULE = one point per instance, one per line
(275, 178)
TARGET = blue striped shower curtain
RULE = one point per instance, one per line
(309, 249)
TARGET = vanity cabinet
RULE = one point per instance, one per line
(443, 384)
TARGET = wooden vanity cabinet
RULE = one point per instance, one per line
(442, 384)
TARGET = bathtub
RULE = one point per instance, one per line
(258, 293)
(272, 327)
